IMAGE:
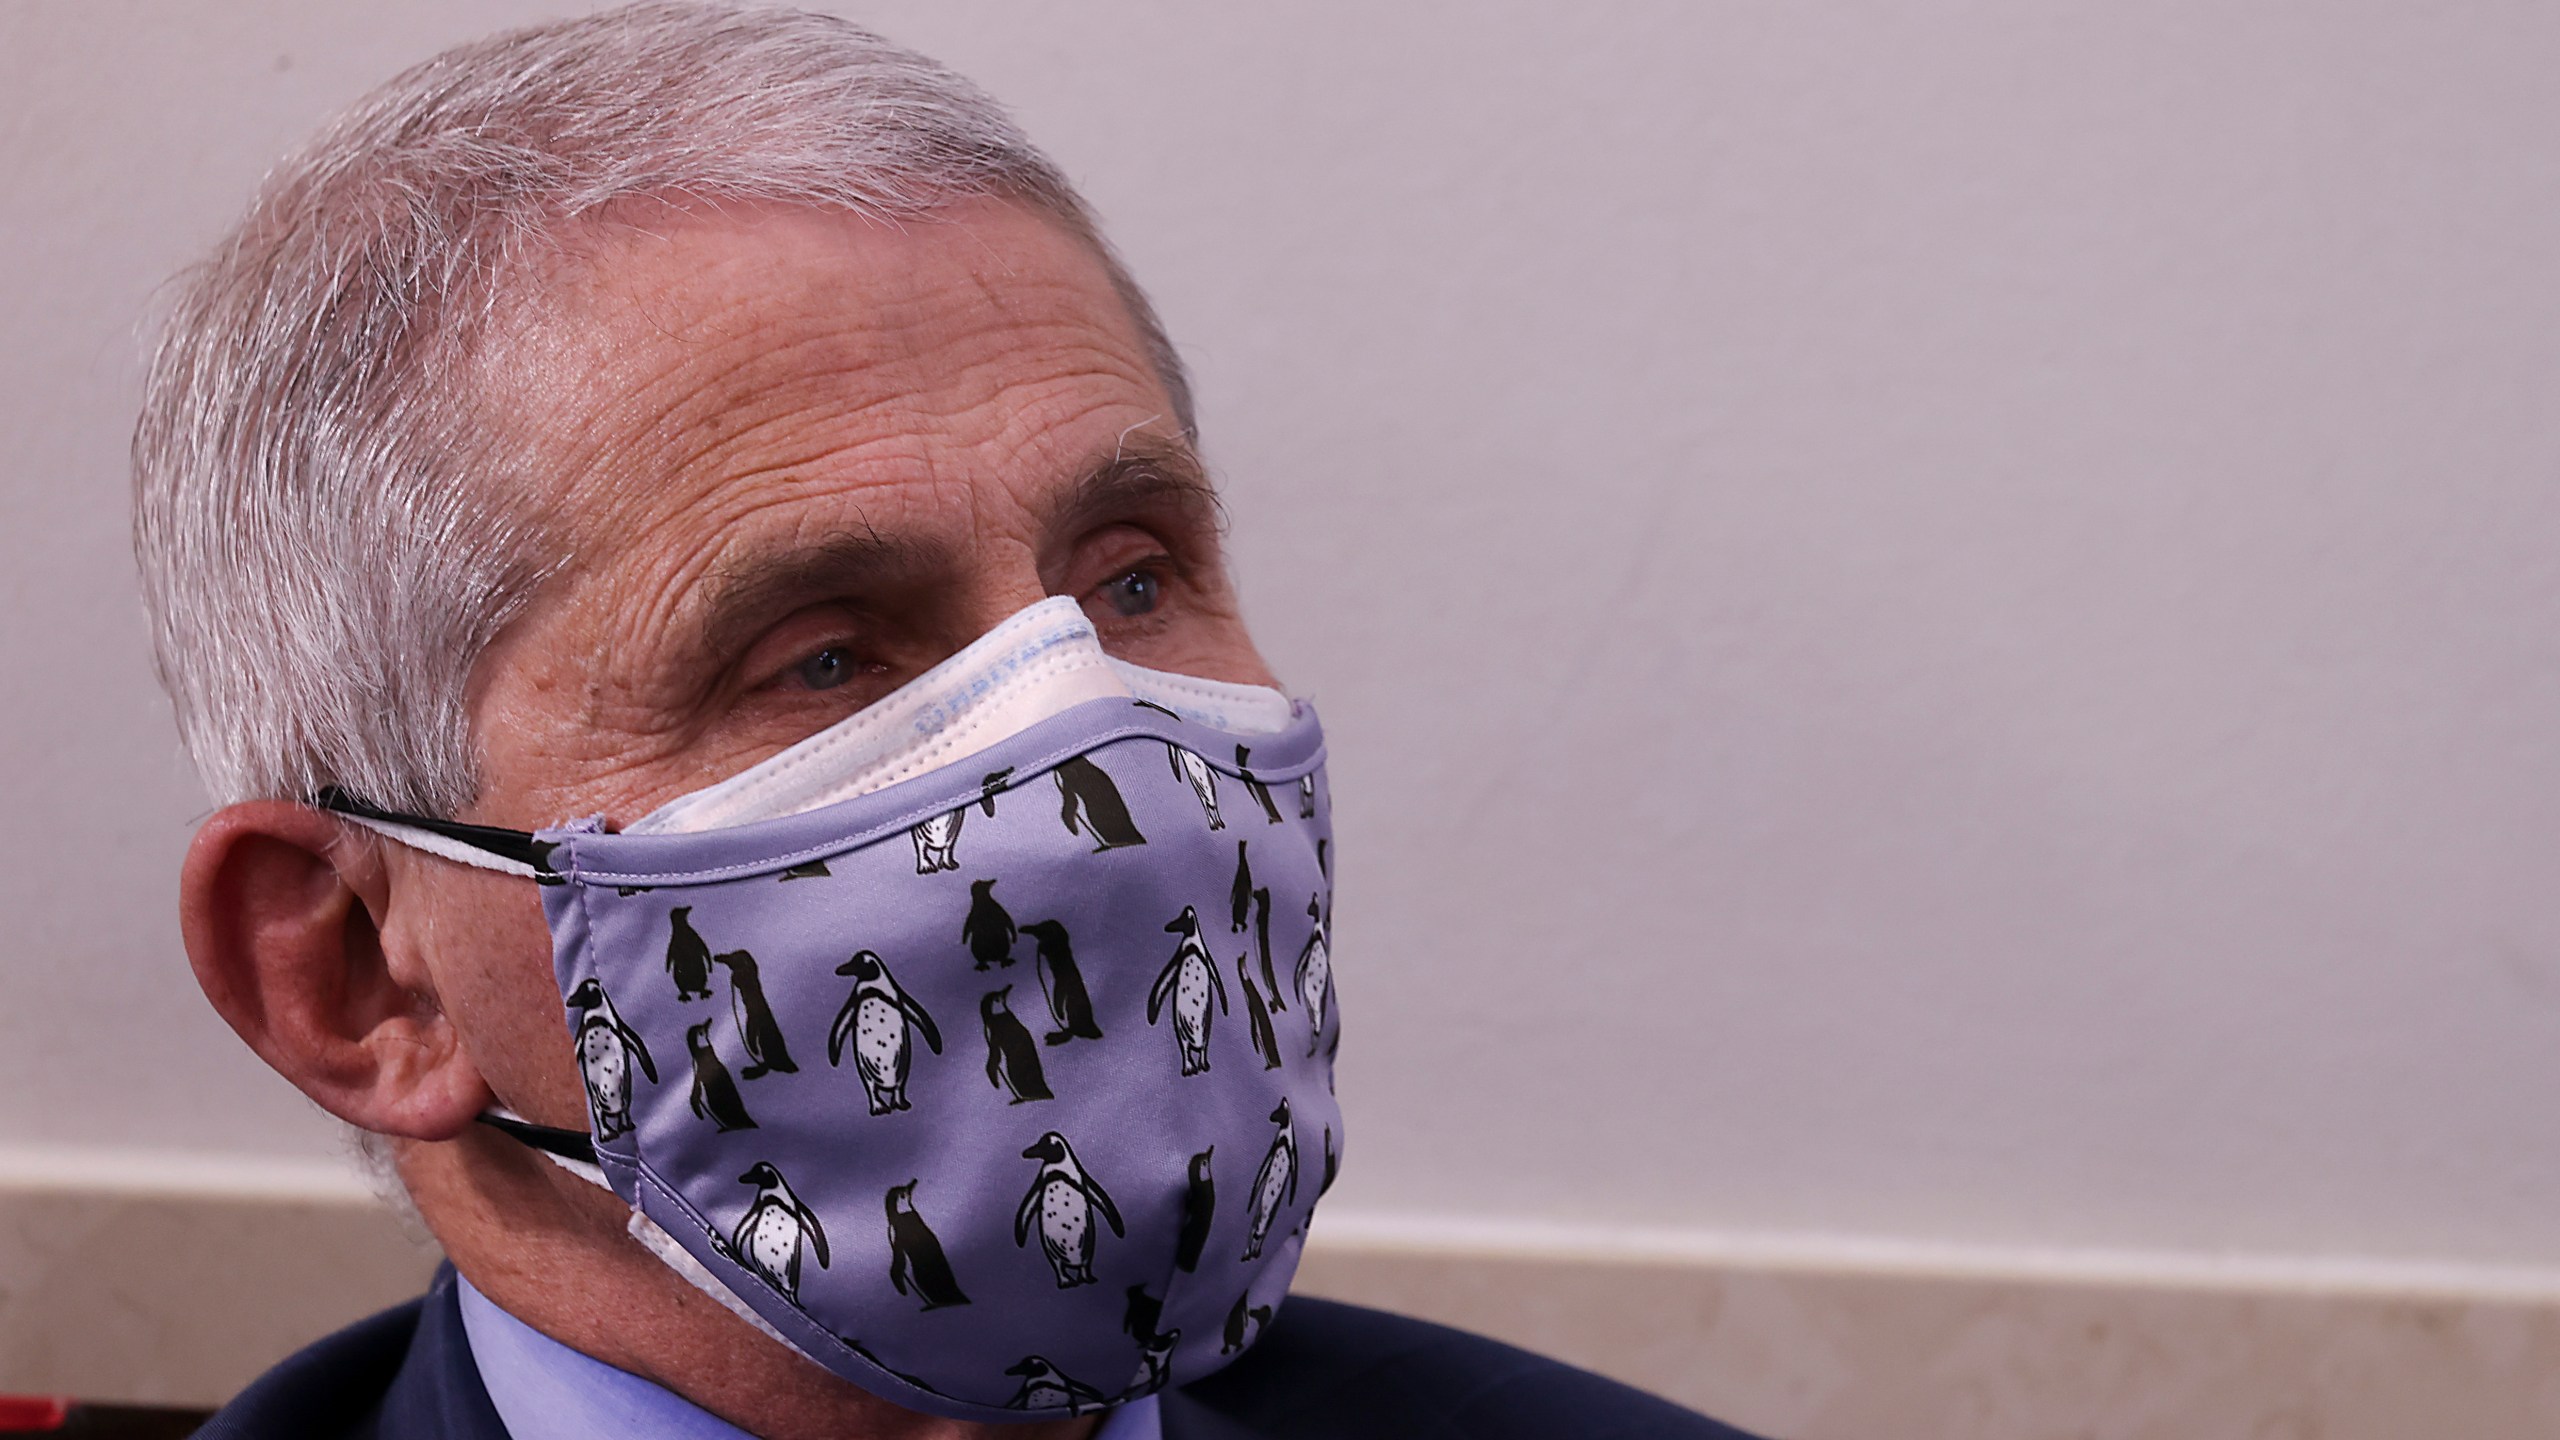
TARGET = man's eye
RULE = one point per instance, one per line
(1135, 593)
(827, 669)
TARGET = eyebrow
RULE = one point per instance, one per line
(740, 596)
(1150, 476)
(1154, 478)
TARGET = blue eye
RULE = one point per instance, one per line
(1135, 593)
(827, 669)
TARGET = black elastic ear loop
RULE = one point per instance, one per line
(516, 845)
(550, 1139)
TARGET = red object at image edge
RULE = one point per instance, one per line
(25, 1414)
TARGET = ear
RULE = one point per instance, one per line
(281, 907)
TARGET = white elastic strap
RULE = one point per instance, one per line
(443, 845)
(654, 1238)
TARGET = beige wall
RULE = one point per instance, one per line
(179, 1290)
(1938, 620)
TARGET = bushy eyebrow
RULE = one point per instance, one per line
(1145, 480)
(739, 598)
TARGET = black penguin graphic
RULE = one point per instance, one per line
(992, 786)
(1090, 805)
(1243, 1325)
(1013, 1062)
(1189, 981)
(606, 1050)
(916, 1263)
(988, 932)
(1193, 771)
(808, 870)
(1314, 975)
(938, 841)
(858, 1348)
(1142, 1315)
(1262, 942)
(1265, 1043)
(1069, 1006)
(756, 1028)
(1240, 894)
(775, 1231)
(1275, 1184)
(1332, 1163)
(1307, 796)
(1155, 1347)
(1261, 793)
(1046, 1387)
(1199, 1207)
(1155, 1364)
(877, 1017)
(715, 1096)
(1063, 1200)
(688, 957)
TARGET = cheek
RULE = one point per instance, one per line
(489, 956)
(1221, 650)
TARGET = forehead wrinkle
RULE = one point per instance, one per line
(802, 460)
(751, 580)
(959, 373)
(866, 323)
(701, 519)
(658, 377)
(755, 376)
(731, 423)
(710, 534)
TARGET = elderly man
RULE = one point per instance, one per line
(681, 554)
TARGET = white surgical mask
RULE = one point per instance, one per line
(1043, 661)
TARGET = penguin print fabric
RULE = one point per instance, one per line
(1089, 1194)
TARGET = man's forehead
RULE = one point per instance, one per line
(694, 350)
(716, 414)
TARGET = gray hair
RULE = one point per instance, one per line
(321, 571)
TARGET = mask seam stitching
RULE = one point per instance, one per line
(643, 1176)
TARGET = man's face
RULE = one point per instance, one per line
(794, 460)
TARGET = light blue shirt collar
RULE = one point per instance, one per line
(544, 1390)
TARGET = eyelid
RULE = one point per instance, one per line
(819, 632)
(1163, 569)
(1141, 548)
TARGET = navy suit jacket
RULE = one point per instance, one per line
(1321, 1370)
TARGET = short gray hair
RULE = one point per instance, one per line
(321, 572)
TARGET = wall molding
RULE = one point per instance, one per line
(1809, 1251)
(171, 1278)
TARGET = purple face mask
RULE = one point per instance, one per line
(1004, 1091)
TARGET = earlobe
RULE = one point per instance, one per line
(280, 907)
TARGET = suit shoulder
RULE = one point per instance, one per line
(405, 1374)
(330, 1388)
(1343, 1372)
